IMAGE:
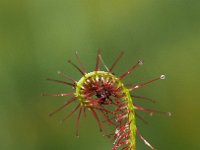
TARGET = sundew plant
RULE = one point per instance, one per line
(109, 99)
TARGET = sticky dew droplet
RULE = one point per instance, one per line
(169, 114)
(140, 62)
(162, 77)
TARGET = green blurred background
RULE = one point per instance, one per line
(37, 37)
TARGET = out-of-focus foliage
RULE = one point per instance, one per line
(37, 37)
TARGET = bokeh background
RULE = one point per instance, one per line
(37, 37)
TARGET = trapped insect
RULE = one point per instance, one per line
(106, 96)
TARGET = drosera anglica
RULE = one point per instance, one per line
(106, 96)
